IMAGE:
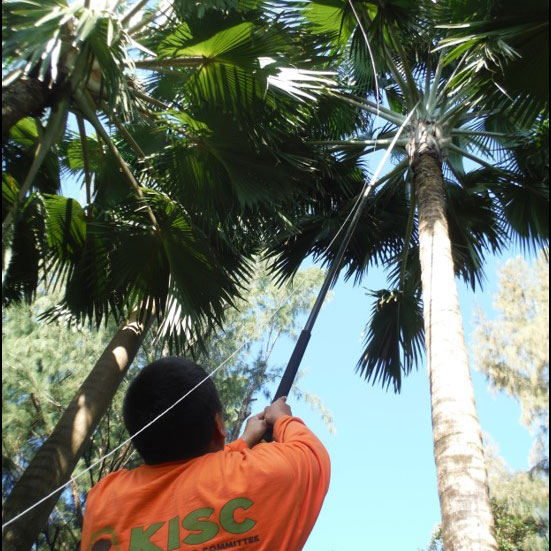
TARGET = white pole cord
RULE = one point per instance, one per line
(358, 207)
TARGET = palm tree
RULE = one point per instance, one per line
(179, 187)
(429, 221)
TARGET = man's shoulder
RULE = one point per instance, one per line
(109, 481)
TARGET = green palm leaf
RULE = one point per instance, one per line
(66, 235)
(394, 340)
(18, 154)
(507, 44)
(118, 260)
(474, 229)
(229, 74)
(73, 157)
(331, 17)
(379, 235)
(20, 279)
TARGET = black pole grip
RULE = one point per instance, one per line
(289, 375)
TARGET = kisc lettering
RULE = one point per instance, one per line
(200, 524)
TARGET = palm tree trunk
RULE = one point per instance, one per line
(55, 460)
(467, 520)
(21, 99)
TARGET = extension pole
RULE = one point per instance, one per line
(300, 348)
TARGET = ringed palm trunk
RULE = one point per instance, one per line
(55, 460)
(467, 519)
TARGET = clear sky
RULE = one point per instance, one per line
(383, 494)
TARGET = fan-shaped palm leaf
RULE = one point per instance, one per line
(18, 153)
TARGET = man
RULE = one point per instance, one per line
(195, 493)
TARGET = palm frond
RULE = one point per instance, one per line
(18, 154)
(27, 246)
(66, 234)
(378, 237)
(394, 339)
(474, 228)
(508, 52)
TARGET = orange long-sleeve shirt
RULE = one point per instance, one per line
(262, 499)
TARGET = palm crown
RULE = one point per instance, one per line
(433, 216)
(491, 198)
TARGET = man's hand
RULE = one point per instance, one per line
(278, 409)
(254, 430)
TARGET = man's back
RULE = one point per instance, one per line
(262, 499)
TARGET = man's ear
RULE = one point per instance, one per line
(219, 428)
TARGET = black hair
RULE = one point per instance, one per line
(186, 430)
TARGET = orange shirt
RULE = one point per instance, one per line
(262, 499)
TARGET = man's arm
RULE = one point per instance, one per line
(297, 468)
(298, 443)
(287, 430)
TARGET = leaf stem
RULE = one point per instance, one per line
(86, 158)
(162, 62)
(152, 101)
(435, 84)
(414, 92)
(133, 11)
(476, 133)
(409, 232)
(395, 118)
(371, 56)
(472, 157)
(382, 109)
(85, 104)
(56, 124)
(357, 143)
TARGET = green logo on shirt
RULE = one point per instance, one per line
(199, 523)
(104, 540)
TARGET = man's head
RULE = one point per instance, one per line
(192, 428)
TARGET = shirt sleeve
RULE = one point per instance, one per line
(303, 449)
(299, 465)
(236, 446)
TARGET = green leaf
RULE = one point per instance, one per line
(19, 153)
(66, 227)
(332, 17)
(75, 158)
(394, 341)
(475, 230)
(227, 41)
(28, 245)
(25, 132)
